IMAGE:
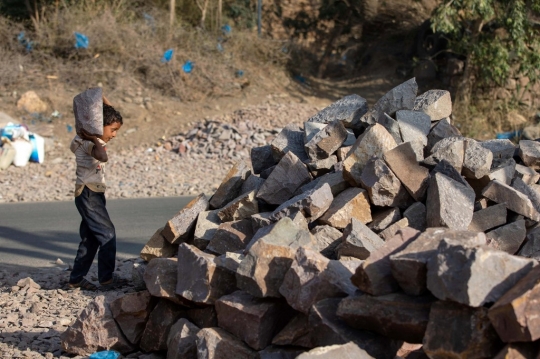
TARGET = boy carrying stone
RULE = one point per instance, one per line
(96, 230)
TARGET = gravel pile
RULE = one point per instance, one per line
(189, 163)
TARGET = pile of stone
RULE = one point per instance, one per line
(367, 233)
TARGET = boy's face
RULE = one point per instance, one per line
(109, 131)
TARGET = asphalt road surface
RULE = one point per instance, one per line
(35, 235)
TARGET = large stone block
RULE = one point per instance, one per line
(321, 167)
(441, 130)
(131, 312)
(262, 270)
(344, 351)
(515, 314)
(409, 266)
(351, 203)
(508, 238)
(394, 228)
(182, 340)
(519, 185)
(328, 329)
(93, 330)
(401, 97)
(290, 139)
(327, 238)
(158, 247)
(199, 278)
(384, 218)
(311, 204)
(335, 180)
(348, 110)
(502, 150)
(416, 214)
(383, 186)
(160, 279)
(180, 228)
(527, 174)
(413, 125)
(397, 316)
(358, 241)
(231, 237)
(449, 203)
(529, 151)
(374, 142)
(253, 320)
(402, 161)
(230, 186)
(289, 175)
(458, 331)
(216, 343)
(513, 199)
(477, 160)
(162, 318)
(312, 277)
(207, 224)
(327, 141)
(435, 103)
(488, 218)
(244, 206)
(453, 153)
(374, 276)
(473, 275)
(531, 248)
(262, 158)
(297, 332)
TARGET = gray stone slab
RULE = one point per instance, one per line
(435, 103)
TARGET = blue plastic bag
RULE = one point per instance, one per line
(81, 41)
(167, 56)
(239, 73)
(226, 29)
(28, 45)
(187, 67)
(107, 354)
(508, 135)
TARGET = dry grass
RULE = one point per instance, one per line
(125, 48)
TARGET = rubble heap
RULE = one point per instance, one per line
(366, 233)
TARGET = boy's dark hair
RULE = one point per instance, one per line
(110, 116)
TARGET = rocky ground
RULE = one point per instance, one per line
(36, 308)
(189, 163)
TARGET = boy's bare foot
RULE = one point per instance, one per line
(84, 284)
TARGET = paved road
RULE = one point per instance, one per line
(36, 234)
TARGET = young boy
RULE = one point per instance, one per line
(96, 229)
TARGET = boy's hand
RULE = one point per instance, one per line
(85, 135)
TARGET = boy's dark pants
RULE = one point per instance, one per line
(97, 232)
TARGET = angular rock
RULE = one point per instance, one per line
(322, 167)
(374, 142)
(162, 318)
(311, 129)
(504, 172)
(328, 329)
(180, 228)
(473, 275)
(413, 125)
(471, 334)
(160, 279)
(344, 351)
(384, 218)
(529, 151)
(253, 320)
(531, 248)
(502, 150)
(262, 270)
(401, 97)
(351, 203)
(262, 158)
(230, 186)
(477, 160)
(205, 317)
(327, 238)
(402, 161)
(325, 142)
(199, 278)
(435, 103)
(216, 343)
(527, 174)
(441, 130)
(289, 175)
(488, 218)
(157, 247)
(449, 203)
(182, 340)
(392, 229)
(290, 139)
(392, 127)
(260, 220)
(358, 241)
(513, 200)
(508, 238)
(239, 208)
(93, 330)
(383, 187)
(252, 183)
(229, 261)
(335, 180)
(519, 185)
(515, 314)
(131, 312)
(519, 351)
(409, 266)
(312, 277)
(267, 172)
(453, 153)
(297, 332)
(279, 352)
(137, 274)
(348, 110)
(374, 276)
(397, 316)
(416, 214)
(207, 225)
(231, 237)
(311, 204)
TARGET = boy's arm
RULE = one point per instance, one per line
(98, 152)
